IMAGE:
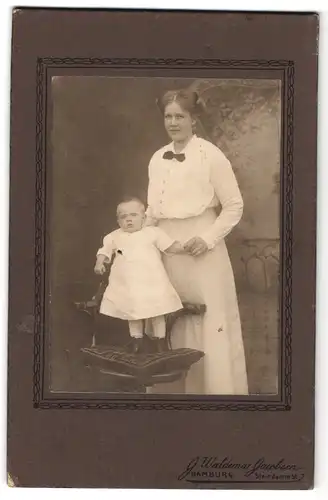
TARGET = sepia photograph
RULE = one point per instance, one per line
(162, 249)
(163, 236)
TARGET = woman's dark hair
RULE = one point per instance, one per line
(187, 99)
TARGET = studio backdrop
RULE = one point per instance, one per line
(104, 131)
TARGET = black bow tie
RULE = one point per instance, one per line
(169, 155)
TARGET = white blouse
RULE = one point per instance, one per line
(178, 190)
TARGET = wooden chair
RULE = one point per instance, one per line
(148, 368)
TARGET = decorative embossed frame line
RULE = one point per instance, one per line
(282, 402)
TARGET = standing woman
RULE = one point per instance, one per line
(188, 179)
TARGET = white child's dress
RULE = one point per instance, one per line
(138, 285)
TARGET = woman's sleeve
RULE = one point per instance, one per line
(150, 218)
(227, 191)
(108, 248)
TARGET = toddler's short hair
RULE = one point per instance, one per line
(128, 199)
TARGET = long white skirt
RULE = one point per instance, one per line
(207, 279)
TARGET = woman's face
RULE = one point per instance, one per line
(178, 122)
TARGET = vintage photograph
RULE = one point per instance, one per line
(163, 236)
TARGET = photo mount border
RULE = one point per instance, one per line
(234, 403)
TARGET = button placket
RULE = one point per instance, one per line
(162, 192)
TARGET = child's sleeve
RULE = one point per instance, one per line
(108, 247)
(162, 240)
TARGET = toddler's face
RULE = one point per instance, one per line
(130, 216)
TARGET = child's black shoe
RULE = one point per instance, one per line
(160, 345)
(136, 346)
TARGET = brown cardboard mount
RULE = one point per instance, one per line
(62, 432)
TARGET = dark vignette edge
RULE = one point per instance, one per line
(286, 314)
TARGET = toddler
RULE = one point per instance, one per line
(138, 285)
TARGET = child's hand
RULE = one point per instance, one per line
(100, 268)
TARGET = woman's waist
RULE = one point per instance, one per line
(208, 213)
(181, 228)
(182, 207)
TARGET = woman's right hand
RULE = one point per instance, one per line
(195, 246)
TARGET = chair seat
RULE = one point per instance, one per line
(141, 367)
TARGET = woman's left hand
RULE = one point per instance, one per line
(195, 246)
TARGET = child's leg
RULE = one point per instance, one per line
(136, 328)
(159, 327)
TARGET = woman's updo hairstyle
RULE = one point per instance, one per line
(187, 99)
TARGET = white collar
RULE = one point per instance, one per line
(187, 146)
